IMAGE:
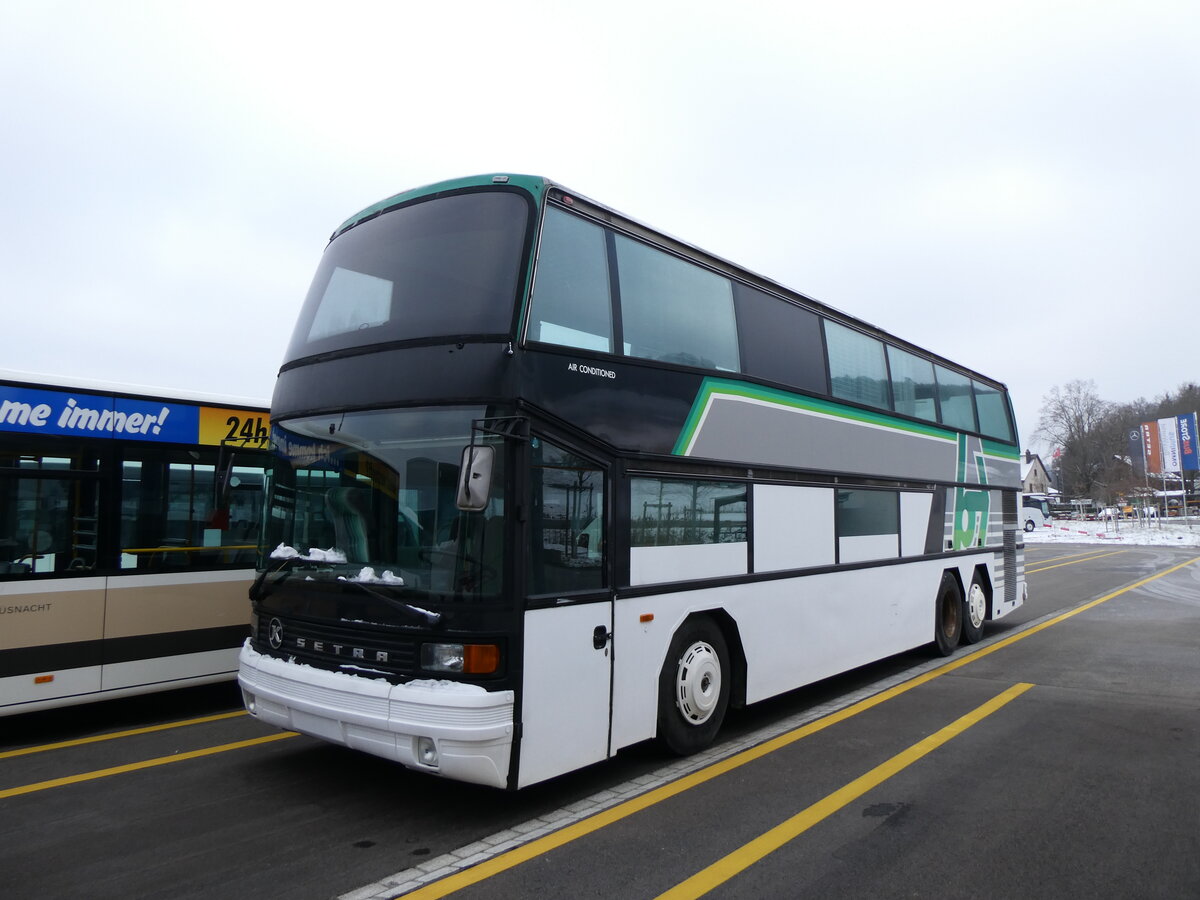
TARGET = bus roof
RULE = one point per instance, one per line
(540, 186)
(132, 390)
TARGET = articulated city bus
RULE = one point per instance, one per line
(548, 483)
(129, 524)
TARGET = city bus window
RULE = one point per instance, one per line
(567, 544)
(857, 370)
(674, 311)
(913, 386)
(571, 303)
(49, 515)
(185, 508)
(954, 391)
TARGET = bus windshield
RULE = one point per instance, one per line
(444, 267)
(369, 498)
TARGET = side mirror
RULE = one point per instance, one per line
(475, 478)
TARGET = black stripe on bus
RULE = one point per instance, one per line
(81, 654)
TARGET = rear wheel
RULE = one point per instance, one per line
(693, 689)
(948, 616)
(974, 611)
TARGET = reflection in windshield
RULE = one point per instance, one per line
(369, 498)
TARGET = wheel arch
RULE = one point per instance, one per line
(733, 644)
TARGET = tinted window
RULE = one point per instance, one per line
(567, 547)
(668, 512)
(993, 412)
(674, 311)
(954, 391)
(862, 513)
(856, 367)
(780, 341)
(913, 386)
(49, 510)
(571, 297)
(443, 267)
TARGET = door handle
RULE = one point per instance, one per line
(600, 637)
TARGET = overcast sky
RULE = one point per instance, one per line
(1013, 185)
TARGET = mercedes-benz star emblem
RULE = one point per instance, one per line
(275, 633)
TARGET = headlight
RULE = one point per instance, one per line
(462, 659)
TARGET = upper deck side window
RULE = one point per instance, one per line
(572, 304)
(671, 310)
(993, 412)
(443, 267)
(954, 395)
(913, 386)
(674, 311)
(857, 369)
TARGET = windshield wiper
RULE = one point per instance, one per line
(428, 616)
(285, 570)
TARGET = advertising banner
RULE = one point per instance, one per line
(1150, 443)
(1137, 451)
(1168, 437)
(69, 413)
(1188, 451)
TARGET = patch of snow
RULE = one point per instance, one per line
(366, 575)
(1129, 533)
(315, 554)
(449, 687)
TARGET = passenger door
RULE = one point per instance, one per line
(567, 680)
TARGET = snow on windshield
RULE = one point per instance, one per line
(366, 575)
(315, 554)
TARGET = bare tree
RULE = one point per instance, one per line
(1075, 419)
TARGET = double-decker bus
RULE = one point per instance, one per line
(548, 483)
(129, 524)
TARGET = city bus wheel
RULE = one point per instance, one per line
(693, 687)
(1029, 526)
(948, 621)
(974, 611)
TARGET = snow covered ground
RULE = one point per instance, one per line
(1174, 533)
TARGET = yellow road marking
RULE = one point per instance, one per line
(1041, 568)
(1084, 553)
(147, 764)
(747, 855)
(8, 754)
(535, 848)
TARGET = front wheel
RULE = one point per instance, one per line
(1029, 526)
(948, 616)
(693, 687)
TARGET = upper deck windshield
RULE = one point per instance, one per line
(368, 498)
(443, 267)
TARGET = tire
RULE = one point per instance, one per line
(693, 687)
(1029, 526)
(948, 616)
(974, 611)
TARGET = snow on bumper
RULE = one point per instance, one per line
(470, 731)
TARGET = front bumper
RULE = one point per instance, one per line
(457, 731)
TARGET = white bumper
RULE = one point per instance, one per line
(471, 732)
